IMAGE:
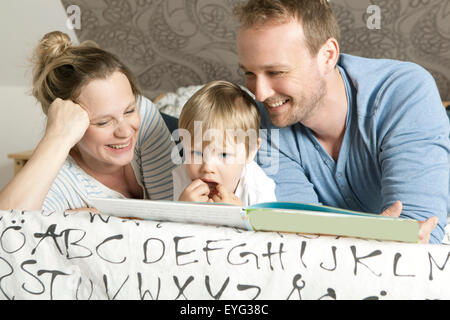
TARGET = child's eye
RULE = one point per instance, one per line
(249, 75)
(130, 111)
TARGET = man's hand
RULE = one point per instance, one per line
(197, 191)
(425, 227)
(224, 196)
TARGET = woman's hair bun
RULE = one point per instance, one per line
(60, 70)
(52, 45)
(49, 48)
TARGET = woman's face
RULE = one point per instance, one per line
(114, 122)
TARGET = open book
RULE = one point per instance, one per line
(270, 216)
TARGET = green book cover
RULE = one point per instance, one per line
(270, 216)
(317, 219)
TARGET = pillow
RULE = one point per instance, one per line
(172, 102)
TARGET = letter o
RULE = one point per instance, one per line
(15, 241)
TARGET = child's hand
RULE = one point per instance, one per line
(197, 191)
(225, 196)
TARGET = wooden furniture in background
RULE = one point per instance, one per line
(20, 159)
(159, 97)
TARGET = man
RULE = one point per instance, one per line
(354, 133)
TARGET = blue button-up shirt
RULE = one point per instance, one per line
(396, 146)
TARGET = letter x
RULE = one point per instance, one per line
(181, 289)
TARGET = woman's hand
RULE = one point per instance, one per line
(66, 125)
(67, 120)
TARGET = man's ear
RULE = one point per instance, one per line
(328, 55)
(252, 152)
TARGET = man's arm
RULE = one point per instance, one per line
(414, 149)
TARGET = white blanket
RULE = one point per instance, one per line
(88, 256)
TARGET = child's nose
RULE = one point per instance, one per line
(208, 165)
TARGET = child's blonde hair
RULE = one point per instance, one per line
(222, 105)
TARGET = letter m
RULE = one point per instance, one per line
(431, 259)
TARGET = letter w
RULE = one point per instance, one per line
(142, 295)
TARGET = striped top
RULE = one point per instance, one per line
(152, 165)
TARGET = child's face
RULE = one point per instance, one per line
(216, 163)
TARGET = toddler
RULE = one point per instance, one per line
(219, 130)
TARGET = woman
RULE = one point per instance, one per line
(102, 138)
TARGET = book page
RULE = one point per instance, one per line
(175, 211)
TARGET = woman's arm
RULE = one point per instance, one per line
(66, 125)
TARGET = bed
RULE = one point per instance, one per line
(83, 255)
(88, 256)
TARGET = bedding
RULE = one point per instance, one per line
(171, 103)
(82, 255)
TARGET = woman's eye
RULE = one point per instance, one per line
(102, 123)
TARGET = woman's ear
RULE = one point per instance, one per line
(252, 151)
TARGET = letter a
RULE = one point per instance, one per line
(374, 21)
(74, 17)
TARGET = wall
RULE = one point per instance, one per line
(23, 23)
(173, 43)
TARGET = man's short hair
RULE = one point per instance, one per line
(316, 16)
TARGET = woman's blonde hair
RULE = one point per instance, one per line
(61, 69)
(316, 16)
(221, 105)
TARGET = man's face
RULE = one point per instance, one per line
(280, 71)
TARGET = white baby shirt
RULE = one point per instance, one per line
(254, 186)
